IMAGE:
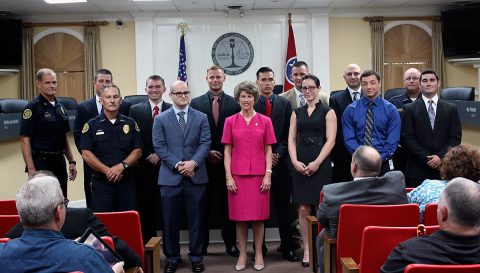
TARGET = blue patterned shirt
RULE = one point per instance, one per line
(428, 192)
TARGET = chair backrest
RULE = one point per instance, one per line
(390, 93)
(407, 190)
(378, 242)
(458, 93)
(9, 106)
(136, 99)
(4, 240)
(126, 226)
(430, 215)
(8, 207)
(7, 222)
(69, 103)
(278, 89)
(354, 218)
(431, 268)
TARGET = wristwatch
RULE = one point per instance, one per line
(125, 165)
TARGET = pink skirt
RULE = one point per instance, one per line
(248, 203)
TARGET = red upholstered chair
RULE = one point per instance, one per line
(430, 215)
(8, 207)
(4, 240)
(7, 222)
(407, 190)
(377, 243)
(430, 268)
(354, 218)
(126, 226)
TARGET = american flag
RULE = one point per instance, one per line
(182, 59)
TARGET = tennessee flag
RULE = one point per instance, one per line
(291, 56)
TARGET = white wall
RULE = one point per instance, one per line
(157, 36)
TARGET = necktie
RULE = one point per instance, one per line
(355, 96)
(155, 112)
(431, 113)
(181, 122)
(215, 109)
(99, 107)
(369, 125)
(268, 108)
(302, 100)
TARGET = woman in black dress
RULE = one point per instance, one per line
(313, 128)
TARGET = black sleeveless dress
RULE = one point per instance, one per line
(311, 136)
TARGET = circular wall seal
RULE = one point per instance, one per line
(233, 52)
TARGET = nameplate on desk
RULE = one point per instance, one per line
(469, 112)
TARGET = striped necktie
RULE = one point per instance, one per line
(369, 125)
(431, 113)
(181, 122)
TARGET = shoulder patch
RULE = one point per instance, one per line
(27, 113)
(136, 127)
(85, 128)
(126, 128)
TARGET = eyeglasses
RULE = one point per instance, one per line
(65, 202)
(310, 88)
(410, 79)
(353, 74)
(180, 94)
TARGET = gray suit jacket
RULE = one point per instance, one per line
(172, 147)
(386, 190)
(291, 96)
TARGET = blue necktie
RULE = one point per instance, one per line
(181, 122)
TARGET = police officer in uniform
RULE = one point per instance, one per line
(110, 144)
(43, 132)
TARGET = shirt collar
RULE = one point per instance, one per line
(152, 105)
(263, 99)
(211, 95)
(350, 90)
(176, 110)
(435, 99)
(375, 101)
(297, 92)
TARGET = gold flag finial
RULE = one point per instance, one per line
(290, 18)
(182, 27)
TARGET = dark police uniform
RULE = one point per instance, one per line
(111, 144)
(46, 125)
(400, 156)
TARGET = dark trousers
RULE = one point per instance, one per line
(216, 213)
(341, 163)
(108, 196)
(281, 194)
(148, 198)
(54, 163)
(87, 184)
(188, 197)
(385, 168)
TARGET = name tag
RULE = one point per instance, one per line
(99, 133)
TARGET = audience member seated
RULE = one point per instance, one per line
(366, 188)
(460, 161)
(42, 247)
(77, 220)
(458, 239)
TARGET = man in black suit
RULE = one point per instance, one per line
(411, 82)
(146, 172)
(87, 110)
(224, 105)
(279, 110)
(366, 188)
(338, 102)
(430, 126)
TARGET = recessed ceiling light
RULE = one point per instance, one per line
(64, 1)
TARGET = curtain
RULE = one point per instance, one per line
(438, 61)
(376, 31)
(27, 71)
(91, 47)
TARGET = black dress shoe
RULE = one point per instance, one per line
(233, 251)
(291, 256)
(170, 268)
(305, 264)
(197, 267)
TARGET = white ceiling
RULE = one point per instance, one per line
(29, 9)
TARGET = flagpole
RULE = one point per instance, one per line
(291, 56)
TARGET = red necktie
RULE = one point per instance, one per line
(215, 109)
(155, 112)
(268, 108)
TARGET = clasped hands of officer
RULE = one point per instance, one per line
(187, 168)
(115, 173)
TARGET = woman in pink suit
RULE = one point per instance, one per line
(248, 137)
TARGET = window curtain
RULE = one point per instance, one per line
(438, 61)
(91, 47)
(27, 71)
(376, 31)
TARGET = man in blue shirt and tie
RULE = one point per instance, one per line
(372, 121)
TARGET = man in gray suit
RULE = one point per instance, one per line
(181, 139)
(366, 188)
(294, 95)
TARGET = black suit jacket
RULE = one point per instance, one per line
(87, 110)
(142, 114)
(77, 220)
(340, 156)
(281, 114)
(227, 107)
(386, 190)
(420, 140)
